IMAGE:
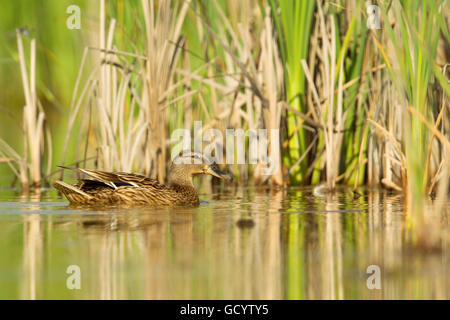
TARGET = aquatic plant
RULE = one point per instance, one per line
(28, 167)
(349, 107)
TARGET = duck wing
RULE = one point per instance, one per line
(116, 179)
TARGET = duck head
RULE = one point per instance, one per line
(188, 164)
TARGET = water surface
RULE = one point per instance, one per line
(241, 243)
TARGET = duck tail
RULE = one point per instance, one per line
(72, 193)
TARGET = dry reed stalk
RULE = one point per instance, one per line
(17, 163)
(162, 30)
(252, 100)
(29, 166)
(130, 121)
(441, 177)
(119, 133)
(73, 112)
(330, 113)
(103, 91)
(33, 121)
(272, 84)
(188, 118)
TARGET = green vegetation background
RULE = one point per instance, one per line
(59, 52)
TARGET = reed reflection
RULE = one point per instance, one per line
(33, 238)
(245, 244)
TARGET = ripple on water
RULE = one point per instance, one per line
(240, 243)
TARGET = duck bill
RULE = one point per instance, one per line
(218, 173)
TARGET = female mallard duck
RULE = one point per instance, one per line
(119, 188)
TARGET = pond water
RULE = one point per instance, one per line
(241, 243)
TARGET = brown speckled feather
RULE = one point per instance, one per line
(119, 188)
